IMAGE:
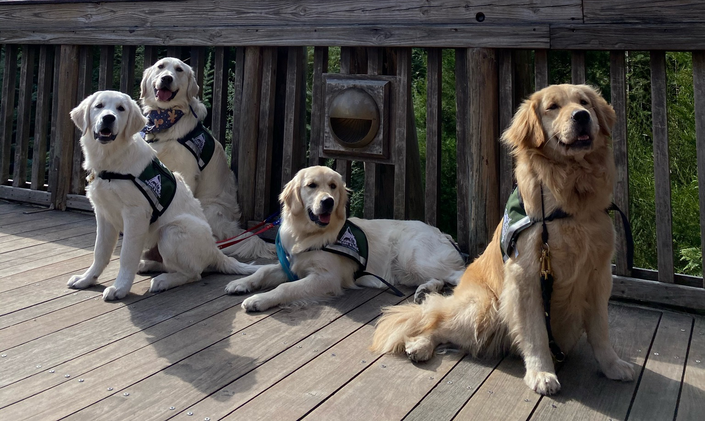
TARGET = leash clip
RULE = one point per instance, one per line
(545, 260)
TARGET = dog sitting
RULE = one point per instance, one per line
(560, 138)
(169, 97)
(133, 193)
(324, 250)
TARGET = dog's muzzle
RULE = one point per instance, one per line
(104, 135)
(322, 219)
(164, 94)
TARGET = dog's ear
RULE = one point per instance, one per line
(526, 130)
(606, 116)
(341, 209)
(146, 82)
(136, 120)
(81, 115)
(290, 197)
(193, 87)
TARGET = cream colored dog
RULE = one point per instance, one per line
(169, 87)
(110, 122)
(401, 252)
(560, 138)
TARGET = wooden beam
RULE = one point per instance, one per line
(577, 67)
(127, 70)
(265, 137)
(249, 127)
(541, 69)
(401, 126)
(663, 37)
(42, 116)
(24, 114)
(105, 71)
(294, 114)
(85, 80)
(653, 292)
(320, 66)
(699, 94)
(434, 128)
(507, 87)
(7, 109)
(221, 61)
(618, 82)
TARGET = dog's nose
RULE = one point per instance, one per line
(581, 117)
(167, 79)
(108, 118)
(327, 204)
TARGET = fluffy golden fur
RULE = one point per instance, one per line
(560, 138)
(313, 213)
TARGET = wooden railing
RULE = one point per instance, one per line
(258, 106)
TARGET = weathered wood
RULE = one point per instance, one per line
(401, 125)
(294, 114)
(663, 37)
(249, 127)
(56, 85)
(105, 72)
(662, 173)
(659, 388)
(462, 102)
(577, 67)
(42, 116)
(632, 11)
(265, 138)
(24, 105)
(198, 64)
(691, 404)
(38, 197)
(373, 172)
(237, 106)
(85, 88)
(699, 94)
(62, 159)
(150, 56)
(343, 166)
(221, 60)
(618, 82)
(127, 70)
(540, 69)
(7, 109)
(658, 292)
(320, 66)
(434, 78)
(507, 87)
(174, 50)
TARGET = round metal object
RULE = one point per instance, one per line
(354, 118)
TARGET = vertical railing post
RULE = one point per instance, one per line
(249, 127)
(618, 82)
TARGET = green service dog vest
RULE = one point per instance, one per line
(201, 145)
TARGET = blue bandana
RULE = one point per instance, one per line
(160, 120)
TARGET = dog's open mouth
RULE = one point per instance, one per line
(105, 135)
(164, 94)
(322, 219)
(583, 141)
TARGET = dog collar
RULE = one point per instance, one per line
(156, 183)
(159, 120)
(284, 259)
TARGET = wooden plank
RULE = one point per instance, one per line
(586, 394)
(462, 102)
(105, 73)
(373, 172)
(265, 138)
(56, 233)
(13, 262)
(691, 404)
(7, 109)
(198, 64)
(699, 94)
(679, 11)
(271, 381)
(270, 12)
(659, 388)
(38, 221)
(618, 83)
(662, 37)
(434, 127)
(658, 292)
(249, 127)
(347, 60)
(214, 367)
(237, 106)
(38, 197)
(219, 112)
(662, 172)
(174, 50)
(295, 108)
(85, 88)
(24, 114)
(456, 388)
(150, 56)
(507, 87)
(42, 116)
(320, 66)
(127, 70)
(56, 84)
(540, 69)
(577, 67)
(401, 124)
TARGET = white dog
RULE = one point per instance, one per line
(325, 251)
(169, 98)
(124, 172)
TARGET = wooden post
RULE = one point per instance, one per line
(7, 109)
(249, 127)
(43, 117)
(540, 69)
(577, 67)
(105, 73)
(265, 138)
(24, 113)
(198, 64)
(401, 126)
(507, 87)
(63, 142)
(699, 93)
(237, 106)
(294, 113)
(434, 127)
(220, 93)
(127, 70)
(618, 82)
(85, 79)
(320, 66)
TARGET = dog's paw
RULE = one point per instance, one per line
(255, 303)
(619, 370)
(111, 293)
(237, 287)
(420, 294)
(419, 349)
(81, 281)
(159, 284)
(542, 382)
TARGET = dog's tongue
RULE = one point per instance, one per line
(324, 217)
(584, 137)
(164, 95)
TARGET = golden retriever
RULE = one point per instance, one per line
(313, 213)
(560, 138)
(170, 84)
(110, 122)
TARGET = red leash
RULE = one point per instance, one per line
(264, 226)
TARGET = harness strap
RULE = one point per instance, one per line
(627, 234)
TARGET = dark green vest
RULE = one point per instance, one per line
(201, 145)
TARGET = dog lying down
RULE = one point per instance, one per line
(560, 139)
(169, 98)
(313, 217)
(124, 173)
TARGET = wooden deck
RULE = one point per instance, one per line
(192, 353)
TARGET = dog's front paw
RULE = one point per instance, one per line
(237, 287)
(160, 283)
(619, 370)
(542, 382)
(111, 293)
(419, 349)
(81, 281)
(255, 303)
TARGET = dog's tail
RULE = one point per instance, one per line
(399, 323)
(227, 264)
(252, 248)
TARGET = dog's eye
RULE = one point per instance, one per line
(333, 186)
(179, 69)
(583, 102)
(99, 105)
(120, 108)
(161, 66)
(553, 106)
(312, 185)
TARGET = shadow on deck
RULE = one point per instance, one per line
(192, 353)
